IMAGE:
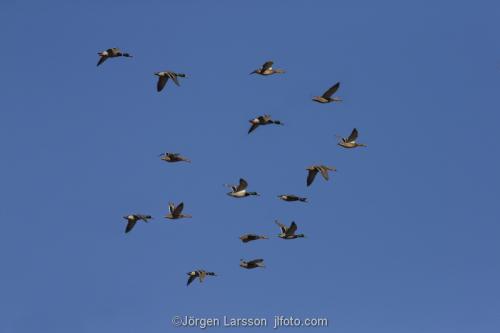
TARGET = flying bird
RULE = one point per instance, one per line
(176, 212)
(252, 263)
(262, 120)
(288, 232)
(200, 274)
(313, 171)
(133, 218)
(240, 190)
(350, 142)
(291, 197)
(173, 157)
(251, 237)
(327, 96)
(267, 69)
(164, 76)
(111, 53)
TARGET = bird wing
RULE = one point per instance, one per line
(202, 275)
(171, 208)
(267, 65)
(162, 81)
(255, 261)
(311, 175)
(353, 136)
(291, 230)
(282, 226)
(191, 279)
(102, 59)
(173, 76)
(331, 91)
(243, 185)
(178, 209)
(130, 225)
(252, 128)
(324, 172)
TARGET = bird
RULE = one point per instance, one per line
(176, 212)
(327, 96)
(239, 191)
(200, 274)
(133, 218)
(111, 53)
(164, 76)
(173, 157)
(314, 169)
(251, 237)
(262, 120)
(267, 69)
(350, 142)
(291, 197)
(288, 232)
(252, 263)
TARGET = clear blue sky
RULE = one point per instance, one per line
(404, 238)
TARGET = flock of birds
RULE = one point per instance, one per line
(239, 190)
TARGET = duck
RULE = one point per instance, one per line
(111, 53)
(133, 218)
(164, 76)
(200, 274)
(240, 190)
(267, 69)
(262, 120)
(251, 237)
(350, 142)
(252, 263)
(291, 197)
(176, 212)
(173, 157)
(288, 232)
(327, 95)
(313, 171)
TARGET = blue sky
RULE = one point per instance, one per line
(404, 238)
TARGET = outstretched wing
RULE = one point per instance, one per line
(324, 172)
(243, 185)
(130, 225)
(252, 128)
(267, 65)
(162, 81)
(101, 60)
(178, 209)
(311, 175)
(282, 226)
(353, 136)
(191, 279)
(331, 91)
(291, 230)
(173, 76)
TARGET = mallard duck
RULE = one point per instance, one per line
(267, 69)
(200, 274)
(252, 263)
(288, 232)
(291, 197)
(350, 142)
(313, 170)
(111, 53)
(176, 212)
(164, 76)
(262, 120)
(239, 191)
(251, 237)
(133, 218)
(174, 157)
(327, 96)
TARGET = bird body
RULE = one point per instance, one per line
(267, 69)
(176, 212)
(262, 120)
(313, 171)
(240, 190)
(164, 76)
(327, 95)
(174, 157)
(200, 274)
(350, 142)
(288, 232)
(251, 237)
(252, 263)
(133, 218)
(291, 197)
(111, 53)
